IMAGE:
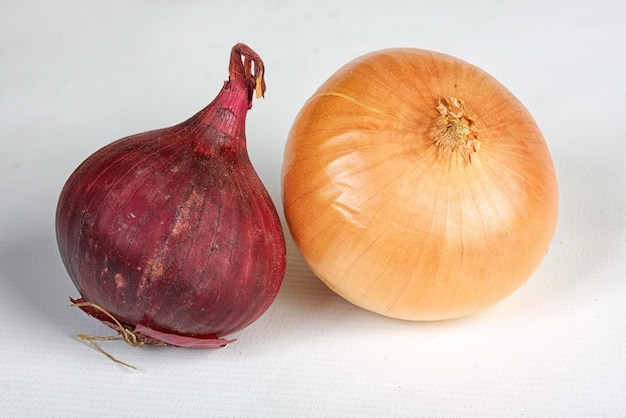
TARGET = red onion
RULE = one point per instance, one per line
(169, 235)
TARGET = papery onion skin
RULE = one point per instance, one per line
(171, 231)
(418, 187)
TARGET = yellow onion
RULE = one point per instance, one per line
(418, 187)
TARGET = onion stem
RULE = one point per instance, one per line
(242, 69)
(454, 129)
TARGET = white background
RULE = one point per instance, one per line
(75, 75)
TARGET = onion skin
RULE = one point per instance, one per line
(418, 187)
(171, 231)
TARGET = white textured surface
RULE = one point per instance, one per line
(75, 75)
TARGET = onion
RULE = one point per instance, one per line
(418, 187)
(169, 235)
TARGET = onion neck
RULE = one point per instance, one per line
(220, 126)
(453, 132)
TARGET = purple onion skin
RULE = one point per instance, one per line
(172, 230)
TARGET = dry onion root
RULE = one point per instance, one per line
(418, 187)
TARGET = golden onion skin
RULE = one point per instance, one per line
(417, 186)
